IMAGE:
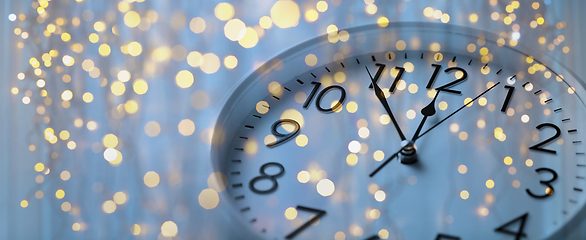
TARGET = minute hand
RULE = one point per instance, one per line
(459, 109)
(381, 97)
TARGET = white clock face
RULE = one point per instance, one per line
(312, 153)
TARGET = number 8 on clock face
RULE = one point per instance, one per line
(322, 151)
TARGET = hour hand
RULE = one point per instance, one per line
(381, 97)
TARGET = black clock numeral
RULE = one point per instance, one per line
(441, 236)
(319, 214)
(374, 237)
(434, 75)
(284, 137)
(507, 98)
(558, 133)
(379, 72)
(519, 233)
(397, 78)
(450, 84)
(323, 92)
(265, 176)
(549, 190)
(312, 94)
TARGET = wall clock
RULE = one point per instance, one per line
(412, 131)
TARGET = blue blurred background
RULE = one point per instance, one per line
(107, 107)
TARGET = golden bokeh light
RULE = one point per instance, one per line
(285, 13)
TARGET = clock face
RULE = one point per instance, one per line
(458, 140)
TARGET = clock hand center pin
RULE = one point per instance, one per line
(409, 149)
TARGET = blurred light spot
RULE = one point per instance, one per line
(151, 179)
(409, 67)
(197, 25)
(310, 60)
(109, 206)
(400, 45)
(508, 160)
(489, 183)
(372, 188)
(480, 123)
(210, 63)
(462, 169)
(87, 97)
(250, 38)
(382, 22)
(463, 136)
(194, 59)
(169, 229)
(512, 170)
(352, 107)
(483, 211)
(383, 234)
(340, 236)
(59, 194)
(384, 119)
(321, 6)
(217, 181)
(311, 15)
(380, 195)
(224, 11)
(230, 62)
(152, 129)
(378, 155)
(303, 177)
(325, 187)
(290, 213)
(529, 162)
(356, 231)
(374, 213)
(285, 14)
(468, 101)
(262, 107)
(118, 88)
(410, 114)
(301, 140)
(351, 159)
(363, 132)
(250, 147)
(354, 146)
(235, 29)
(140, 86)
(464, 194)
(186, 127)
(135, 229)
(131, 19)
(454, 127)
(443, 105)
(120, 198)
